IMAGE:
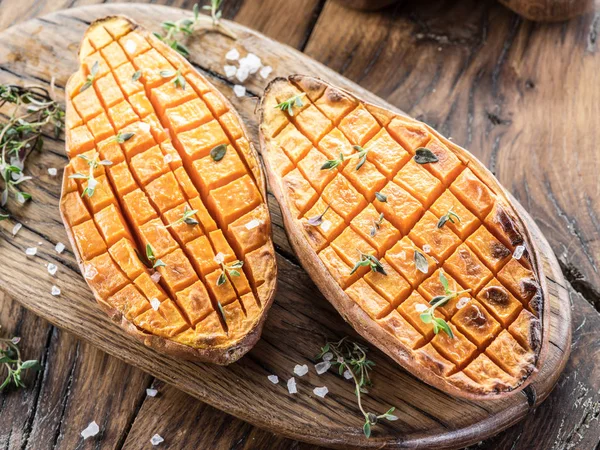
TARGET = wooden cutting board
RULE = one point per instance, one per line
(300, 320)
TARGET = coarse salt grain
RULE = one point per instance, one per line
(291, 385)
(55, 291)
(89, 272)
(251, 62)
(265, 72)
(151, 392)
(31, 251)
(130, 46)
(52, 268)
(168, 158)
(229, 71)
(420, 307)
(16, 228)
(219, 258)
(347, 374)
(60, 247)
(155, 303)
(253, 224)
(92, 430)
(427, 248)
(144, 127)
(301, 370)
(328, 356)
(156, 439)
(232, 55)
(519, 250)
(462, 302)
(155, 277)
(321, 391)
(322, 367)
(273, 379)
(242, 74)
(239, 90)
(326, 225)
(52, 171)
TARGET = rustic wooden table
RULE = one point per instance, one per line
(523, 97)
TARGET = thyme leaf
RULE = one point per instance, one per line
(152, 258)
(381, 197)
(90, 78)
(187, 217)
(376, 225)
(423, 156)
(218, 153)
(421, 262)
(333, 163)
(136, 75)
(230, 268)
(10, 358)
(448, 217)
(289, 104)
(318, 220)
(370, 261)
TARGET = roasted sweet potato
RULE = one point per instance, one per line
(411, 239)
(164, 198)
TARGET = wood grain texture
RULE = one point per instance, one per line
(568, 419)
(242, 389)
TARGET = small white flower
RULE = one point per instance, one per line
(16, 228)
(151, 392)
(301, 370)
(291, 385)
(321, 391)
(239, 90)
(156, 440)
(55, 291)
(155, 303)
(232, 55)
(52, 268)
(273, 379)
(31, 251)
(92, 430)
(265, 72)
(60, 247)
(52, 171)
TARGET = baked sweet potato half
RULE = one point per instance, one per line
(410, 238)
(164, 198)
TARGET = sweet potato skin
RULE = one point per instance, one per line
(419, 363)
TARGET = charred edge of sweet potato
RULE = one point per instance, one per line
(362, 323)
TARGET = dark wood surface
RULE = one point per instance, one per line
(520, 96)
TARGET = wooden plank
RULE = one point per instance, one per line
(241, 387)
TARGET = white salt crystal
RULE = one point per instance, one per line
(273, 379)
(52, 269)
(322, 367)
(328, 356)
(229, 71)
(52, 171)
(168, 158)
(347, 374)
(232, 55)
(326, 225)
(130, 46)
(89, 272)
(155, 276)
(155, 303)
(301, 370)
(321, 391)
(253, 224)
(16, 228)
(251, 62)
(55, 291)
(402, 255)
(519, 250)
(60, 247)
(151, 392)
(156, 439)
(242, 74)
(462, 302)
(265, 72)
(427, 248)
(219, 258)
(239, 90)
(291, 385)
(92, 430)
(145, 127)
(420, 307)
(31, 251)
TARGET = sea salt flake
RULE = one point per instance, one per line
(265, 72)
(55, 291)
(251, 62)
(31, 251)
(144, 127)
(155, 276)
(253, 224)
(242, 74)
(239, 90)
(168, 158)
(322, 367)
(219, 258)
(427, 248)
(321, 391)
(326, 225)
(89, 272)
(301, 370)
(328, 356)
(52, 171)
(16, 228)
(52, 268)
(519, 250)
(229, 71)
(273, 379)
(462, 302)
(291, 385)
(92, 430)
(155, 303)
(420, 307)
(130, 46)
(232, 55)
(60, 247)
(347, 374)
(156, 439)
(151, 392)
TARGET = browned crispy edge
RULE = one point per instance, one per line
(359, 320)
(222, 355)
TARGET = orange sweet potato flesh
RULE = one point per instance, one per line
(151, 181)
(499, 326)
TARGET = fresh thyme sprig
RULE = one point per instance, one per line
(120, 138)
(23, 132)
(371, 261)
(178, 81)
(230, 268)
(318, 220)
(295, 101)
(10, 358)
(421, 262)
(152, 258)
(351, 357)
(186, 27)
(90, 78)
(92, 182)
(376, 225)
(361, 155)
(381, 197)
(448, 217)
(187, 218)
(428, 316)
